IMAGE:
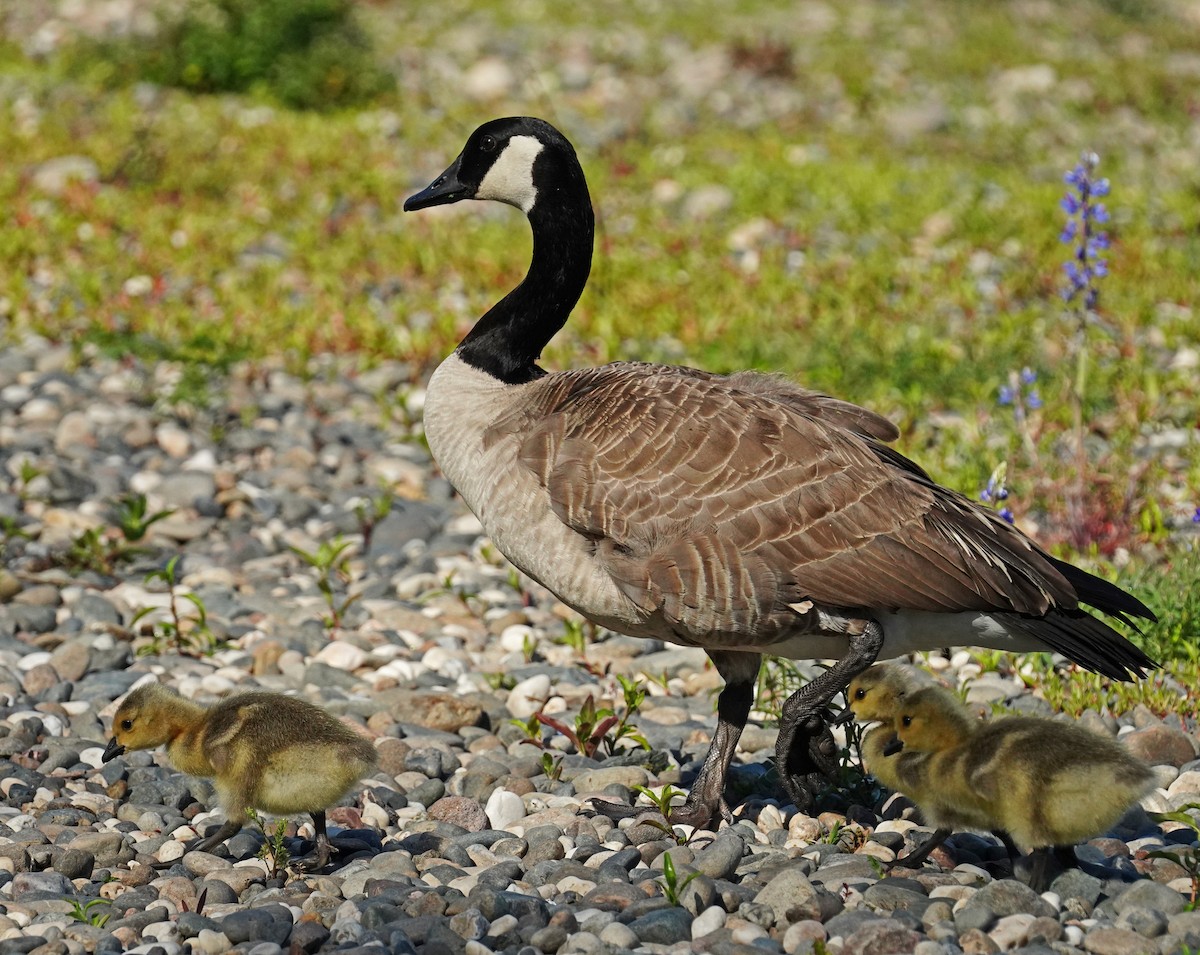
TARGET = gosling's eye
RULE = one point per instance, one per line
(906, 721)
(860, 693)
(126, 724)
(488, 144)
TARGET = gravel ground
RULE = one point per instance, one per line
(459, 842)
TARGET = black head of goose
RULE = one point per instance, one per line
(738, 513)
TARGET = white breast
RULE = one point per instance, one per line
(461, 403)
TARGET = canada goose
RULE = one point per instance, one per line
(1050, 784)
(877, 695)
(265, 751)
(738, 513)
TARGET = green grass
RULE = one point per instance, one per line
(907, 270)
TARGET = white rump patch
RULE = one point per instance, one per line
(511, 177)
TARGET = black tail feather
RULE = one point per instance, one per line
(1085, 639)
(1104, 596)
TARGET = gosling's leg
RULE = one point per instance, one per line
(805, 752)
(319, 858)
(705, 806)
(230, 828)
(916, 858)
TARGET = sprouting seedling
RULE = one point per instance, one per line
(1188, 858)
(83, 912)
(591, 726)
(661, 800)
(669, 880)
(273, 852)
(371, 511)
(332, 563)
(130, 513)
(171, 632)
(552, 766)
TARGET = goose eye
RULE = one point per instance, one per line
(860, 693)
(906, 721)
(488, 144)
(126, 724)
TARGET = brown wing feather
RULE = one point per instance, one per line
(719, 501)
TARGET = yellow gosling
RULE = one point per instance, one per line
(263, 750)
(1049, 784)
(878, 694)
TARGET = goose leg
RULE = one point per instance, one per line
(705, 805)
(806, 752)
(319, 858)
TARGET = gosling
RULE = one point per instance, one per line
(264, 750)
(877, 695)
(1047, 783)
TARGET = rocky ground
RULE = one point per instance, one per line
(460, 842)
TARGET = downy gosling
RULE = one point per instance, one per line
(877, 695)
(1049, 784)
(263, 750)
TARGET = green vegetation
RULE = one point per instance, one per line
(308, 54)
(671, 884)
(273, 851)
(187, 633)
(82, 912)
(331, 561)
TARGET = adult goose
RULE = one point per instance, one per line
(738, 513)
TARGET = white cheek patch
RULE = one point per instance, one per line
(511, 177)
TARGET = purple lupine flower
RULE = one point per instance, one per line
(1084, 214)
(1196, 516)
(1006, 396)
(1007, 514)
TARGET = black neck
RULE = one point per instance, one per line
(507, 341)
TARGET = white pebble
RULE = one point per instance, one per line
(1073, 935)
(342, 655)
(708, 921)
(211, 943)
(528, 696)
(504, 808)
(514, 637)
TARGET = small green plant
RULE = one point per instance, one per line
(576, 635)
(82, 912)
(332, 563)
(600, 726)
(669, 880)
(552, 766)
(500, 680)
(1188, 857)
(273, 852)
(131, 517)
(370, 512)
(179, 627)
(590, 730)
(27, 473)
(98, 549)
(661, 800)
